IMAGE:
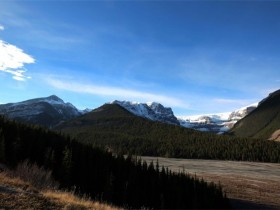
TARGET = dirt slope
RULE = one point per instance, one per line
(17, 194)
(275, 136)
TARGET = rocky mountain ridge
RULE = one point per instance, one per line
(151, 110)
(48, 111)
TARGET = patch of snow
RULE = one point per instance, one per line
(50, 101)
(87, 110)
(224, 129)
(217, 116)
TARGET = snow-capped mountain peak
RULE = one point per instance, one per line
(139, 109)
(151, 110)
(153, 104)
(216, 123)
(242, 112)
(160, 109)
(53, 99)
(47, 111)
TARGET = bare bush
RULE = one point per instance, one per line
(37, 176)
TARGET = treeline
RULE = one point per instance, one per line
(123, 182)
(118, 131)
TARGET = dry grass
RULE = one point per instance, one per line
(70, 201)
(256, 190)
(256, 183)
(15, 181)
(18, 193)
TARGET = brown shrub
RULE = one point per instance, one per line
(37, 176)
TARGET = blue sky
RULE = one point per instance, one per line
(194, 56)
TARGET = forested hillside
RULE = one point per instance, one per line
(117, 130)
(123, 182)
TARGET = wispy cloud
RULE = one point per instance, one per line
(118, 93)
(226, 68)
(2, 28)
(13, 59)
(40, 32)
(226, 101)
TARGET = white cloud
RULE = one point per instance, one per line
(2, 28)
(12, 60)
(119, 93)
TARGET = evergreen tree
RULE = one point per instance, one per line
(2, 147)
(67, 165)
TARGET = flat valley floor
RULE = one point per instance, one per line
(249, 185)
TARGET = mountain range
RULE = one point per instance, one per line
(51, 111)
(259, 120)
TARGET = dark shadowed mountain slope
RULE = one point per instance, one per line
(113, 122)
(263, 121)
(47, 111)
(116, 129)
